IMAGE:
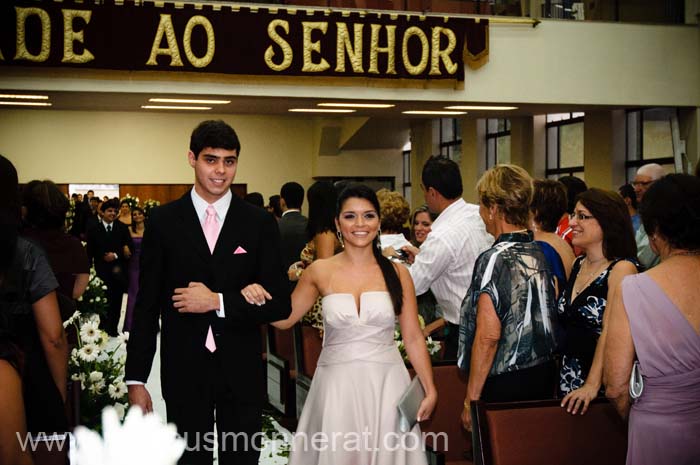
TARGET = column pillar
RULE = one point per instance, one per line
(604, 149)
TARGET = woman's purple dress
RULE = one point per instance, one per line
(664, 424)
(133, 282)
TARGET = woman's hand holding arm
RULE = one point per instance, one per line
(414, 341)
(488, 333)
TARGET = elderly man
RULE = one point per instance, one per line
(646, 175)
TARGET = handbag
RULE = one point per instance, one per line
(409, 405)
(636, 382)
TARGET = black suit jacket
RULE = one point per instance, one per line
(100, 242)
(174, 253)
(293, 236)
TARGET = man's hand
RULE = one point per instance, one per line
(196, 298)
(411, 253)
(138, 395)
(110, 256)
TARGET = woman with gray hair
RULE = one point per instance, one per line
(508, 325)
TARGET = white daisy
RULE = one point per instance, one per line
(96, 376)
(89, 352)
(89, 331)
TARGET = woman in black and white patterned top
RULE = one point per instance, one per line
(603, 230)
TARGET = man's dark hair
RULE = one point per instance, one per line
(610, 211)
(442, 174)
(574, 186)
(548, 203)
(255, 198)
(111, 203)
(46, 205)
(293, 194)
(9, 214)
(671, 208)
(274, 203)
(627, 192)
(215, 134)
(322, 197)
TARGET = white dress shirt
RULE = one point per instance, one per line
(221, 206)
(446, 259)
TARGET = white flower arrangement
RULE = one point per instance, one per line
(94, 299)
(98, 363)
(149, 205)
(432, 346)
(70, 215)
(131, 201)
(141, 439)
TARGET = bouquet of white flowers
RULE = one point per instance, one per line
(70, 215)
(94, 299)
(149, 205)
(131, 201)
(433, 346)
(98, 363)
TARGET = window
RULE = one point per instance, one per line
(451, 138)
(650, 139)
(564, 145)
(497, 142)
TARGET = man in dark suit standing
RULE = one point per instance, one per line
(292, 224)
(109, 247)
(198, 253)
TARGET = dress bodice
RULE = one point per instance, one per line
(365, 334)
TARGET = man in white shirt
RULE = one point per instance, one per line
(446, 259)
(646, 175)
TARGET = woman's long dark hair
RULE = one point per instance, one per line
(9, 214)
(391, 277)
(610, 211)
(322, 205)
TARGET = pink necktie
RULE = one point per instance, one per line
(211, 228)
(211, 232)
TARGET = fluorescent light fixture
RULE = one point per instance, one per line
(320, 110)
(27, 97)
(187, 100)
(479, 107)
(28, 104)
(168, 107)
(435, 113)
(358, 105)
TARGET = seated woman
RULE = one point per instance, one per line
(395, 211)
(360, 376)
(546, 209)
(421, 224)
(655, 318)
(602, 229)
(507, 333)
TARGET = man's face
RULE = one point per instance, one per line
(641, 184)
(109, 214)
(214, 171)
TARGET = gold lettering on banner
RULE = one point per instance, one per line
(310, 47)
(70, 35)
(287, 53)
(375, 49)
(354, 49)
(187, 41)
(420, 67)
(22, 52)
(443, 55)
(165, 28)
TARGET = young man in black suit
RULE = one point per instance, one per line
(292, 224)
(109, 247)
(198, 253)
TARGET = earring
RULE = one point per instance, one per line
(340, 239)
(490, 217)
(379, 239)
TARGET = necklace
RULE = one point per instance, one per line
(684, 253)
(589, 278)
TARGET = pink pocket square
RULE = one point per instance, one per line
(239, 250)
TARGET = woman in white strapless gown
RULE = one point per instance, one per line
(350, 416)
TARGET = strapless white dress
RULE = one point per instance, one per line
(350, 415)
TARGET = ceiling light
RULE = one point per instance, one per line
(320, 110)
(430, 112)
(185, 100)
(358, 105)
(479, 107)
(28, 97)
(28, 104)
(167, 107)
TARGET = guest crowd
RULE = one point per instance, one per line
(545, 289)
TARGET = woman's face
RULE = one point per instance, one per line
(421, 226)
(586, 231)
(358, 222)
(124, 209)
(137, 216)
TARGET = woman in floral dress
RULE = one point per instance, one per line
(602, 228)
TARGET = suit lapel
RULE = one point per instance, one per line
(228, 236)
(192, 227)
